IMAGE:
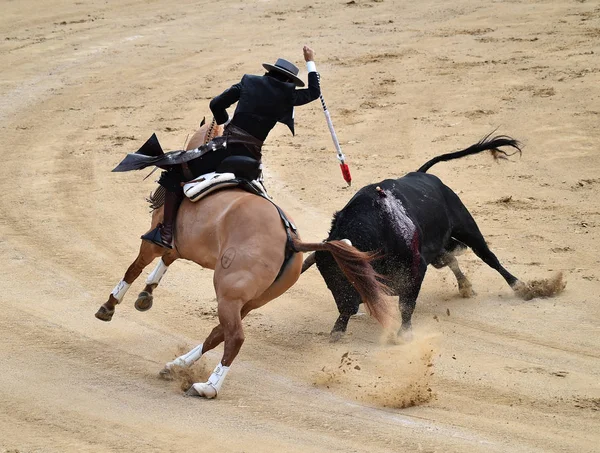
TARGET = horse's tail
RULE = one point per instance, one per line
(485, 144)
(356, 266)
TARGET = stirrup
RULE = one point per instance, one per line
(155, 237)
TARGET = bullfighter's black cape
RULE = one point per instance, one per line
(151, 153)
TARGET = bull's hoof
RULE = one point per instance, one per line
(465, 289)
(104, 314)
(523, 290)
(144, 301)
(546, 287)
(202, 390)
(335, 336)
(406, 335)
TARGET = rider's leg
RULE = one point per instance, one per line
(171, 180)
(162, 235)
(172, 202)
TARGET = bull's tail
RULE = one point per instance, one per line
(485, 144)
(356, 266)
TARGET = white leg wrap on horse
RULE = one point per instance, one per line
(187, 359)
(120, 290)
(157, 273)
(211, 388)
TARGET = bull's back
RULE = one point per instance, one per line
(424, 196)
(426, 200)
(373, 221)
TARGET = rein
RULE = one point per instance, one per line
(209, 134)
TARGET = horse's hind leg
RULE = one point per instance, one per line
(217, 335)
(145, 256)
(235, 291)
(146, 298)
(230, 324)
(214, 339)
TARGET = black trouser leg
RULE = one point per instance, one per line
(162, 235)
(172, 202)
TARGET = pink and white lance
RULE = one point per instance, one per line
(343, 165)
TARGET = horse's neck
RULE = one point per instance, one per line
(203, 135)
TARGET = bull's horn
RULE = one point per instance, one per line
(347, 241)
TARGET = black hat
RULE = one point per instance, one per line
(286, 68)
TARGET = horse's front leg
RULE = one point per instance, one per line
(146, 298)
(146, 255)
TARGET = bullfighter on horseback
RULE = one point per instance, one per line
(262, 102)
(251, 244)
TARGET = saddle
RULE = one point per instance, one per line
(245, 173)
(235, 171)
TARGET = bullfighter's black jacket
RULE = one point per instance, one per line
(262, 102)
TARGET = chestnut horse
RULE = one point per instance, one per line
(241, 237)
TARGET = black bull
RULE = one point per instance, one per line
(410, 222)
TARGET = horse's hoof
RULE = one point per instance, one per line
(104, 314)
(466, 291)
(406, 335)
(191, 392)
(144, 301)
(203, 390)
(166, 373)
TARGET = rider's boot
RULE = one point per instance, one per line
(162, 235)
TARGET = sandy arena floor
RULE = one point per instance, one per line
(85, 82)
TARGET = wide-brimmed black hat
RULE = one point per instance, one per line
(286, 68)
